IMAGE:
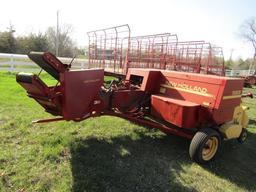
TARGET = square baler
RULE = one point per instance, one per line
(176, 87)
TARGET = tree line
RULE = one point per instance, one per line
(40, 42)
(239, 63)
(247, 33)
(67, 47)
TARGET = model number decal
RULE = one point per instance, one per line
(91, 80)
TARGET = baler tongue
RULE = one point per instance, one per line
(48, 97)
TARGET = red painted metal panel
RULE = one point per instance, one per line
(206, 90)
(150, 78)
(183, 114)
(80, 91)
(126, 100)
(217, 96)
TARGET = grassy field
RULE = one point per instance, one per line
(108, 154)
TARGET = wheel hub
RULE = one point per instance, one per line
(210, 148)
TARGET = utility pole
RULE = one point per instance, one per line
(231, 54)
(11, 28)
(12, 44)
(57, 35)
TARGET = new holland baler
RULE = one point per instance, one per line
(204, 108)
(181, 101)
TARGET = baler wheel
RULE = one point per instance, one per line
(243, 136)
(204, 145)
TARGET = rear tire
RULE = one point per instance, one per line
(204, 145)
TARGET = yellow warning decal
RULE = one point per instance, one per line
(231, 96)
(235, 94)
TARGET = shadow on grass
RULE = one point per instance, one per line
(236, 162)
(126, 164)
(154, 163)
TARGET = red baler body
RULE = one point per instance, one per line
(190, 100)
(176, 87)
(150, 90)
(174, 100)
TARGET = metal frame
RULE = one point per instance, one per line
(115, 50)
(107, 48)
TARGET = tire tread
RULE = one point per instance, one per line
(198, 140)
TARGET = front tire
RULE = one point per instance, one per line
(204, 145)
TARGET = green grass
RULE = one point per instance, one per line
(108, 154)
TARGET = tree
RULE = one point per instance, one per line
(248, 33)
(229, 64)
(40, 42)
(66, 46)
(32, 42)
(7, 42)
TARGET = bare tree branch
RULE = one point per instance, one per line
(66, 44)
(248, 33)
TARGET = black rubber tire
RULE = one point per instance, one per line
(198, 142)
(243, 136)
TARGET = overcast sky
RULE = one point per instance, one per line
(216, 21)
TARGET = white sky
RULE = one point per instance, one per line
(216, 21)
